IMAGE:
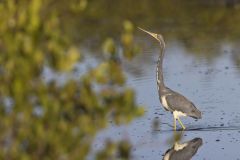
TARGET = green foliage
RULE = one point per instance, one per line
(45, 120)
(127, 40)
(200, 26)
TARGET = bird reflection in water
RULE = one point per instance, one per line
(183, 151)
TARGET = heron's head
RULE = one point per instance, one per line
(158, 37)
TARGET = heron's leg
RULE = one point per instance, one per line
(181, 123)
(174, 122)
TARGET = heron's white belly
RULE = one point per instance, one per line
(164, 102)
(178, 114)
(167, 156)
(178, 146)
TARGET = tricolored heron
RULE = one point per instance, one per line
(171, 100)
(183, 151)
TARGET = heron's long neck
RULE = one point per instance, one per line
(159, 76)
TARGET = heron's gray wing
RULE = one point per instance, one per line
(180, 103)
(182, 155)
(186, 153)
(171, 154)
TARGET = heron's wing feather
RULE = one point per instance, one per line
(179, 103)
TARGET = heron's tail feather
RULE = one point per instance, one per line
(195, 113)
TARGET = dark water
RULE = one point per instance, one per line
(202, 63)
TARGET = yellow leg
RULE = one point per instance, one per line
(183, 127)
(174, 124)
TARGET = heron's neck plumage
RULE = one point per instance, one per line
(159, 75)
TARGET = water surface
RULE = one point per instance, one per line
(213, 86)
(201, 62)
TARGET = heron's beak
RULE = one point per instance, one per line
(154, 35)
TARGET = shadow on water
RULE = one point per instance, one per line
(186, 150)
(208, 128)
(178, 148)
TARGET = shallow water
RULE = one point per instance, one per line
(202, 62)
(213, 86)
